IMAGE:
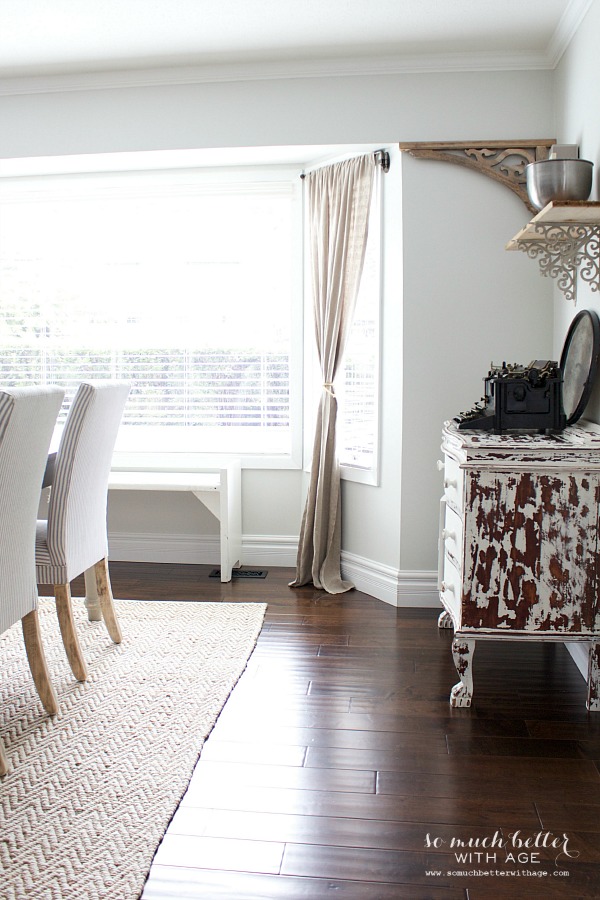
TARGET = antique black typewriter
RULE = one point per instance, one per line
(545, 395)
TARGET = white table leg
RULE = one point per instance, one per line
(226, 505)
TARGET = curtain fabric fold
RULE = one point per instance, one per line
(339, 198)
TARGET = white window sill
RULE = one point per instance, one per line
(191, 462)
(358, 475)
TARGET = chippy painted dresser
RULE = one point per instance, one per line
(519, 554)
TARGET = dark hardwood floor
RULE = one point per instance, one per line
(337, 759)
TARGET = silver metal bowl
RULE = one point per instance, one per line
(558, 179)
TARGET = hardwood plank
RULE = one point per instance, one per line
(390, 760)
(294, 705)
(579, 885)
(559, 731)
(336, 831)
(509, 812)
(469, 783)
(462, 722)
(387, 866)
(499, 746)
(215, 853)
(209, 773)
(192, 884)
(250, 752)
(357, 739)
(559, 816)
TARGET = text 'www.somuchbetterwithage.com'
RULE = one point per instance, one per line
(485, 856)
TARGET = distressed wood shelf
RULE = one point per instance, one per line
(504, 161)
(564, 237)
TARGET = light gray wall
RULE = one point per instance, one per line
(577, 98)
(453, 298)
(386, 108)
(467, 302)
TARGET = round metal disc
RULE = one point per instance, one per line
(578, 363)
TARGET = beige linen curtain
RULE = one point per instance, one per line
(339, 198)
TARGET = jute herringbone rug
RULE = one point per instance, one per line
(90, 792)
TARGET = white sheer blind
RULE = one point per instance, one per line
(179, 282)
(358, 383)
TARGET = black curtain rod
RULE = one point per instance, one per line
(383, 158)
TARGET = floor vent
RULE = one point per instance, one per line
(242, 573)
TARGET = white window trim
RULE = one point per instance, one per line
(18, 183)
(371, 474)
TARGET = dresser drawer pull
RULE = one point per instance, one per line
(441, 465)
(446, 533)
(448, 587)
(450, 482)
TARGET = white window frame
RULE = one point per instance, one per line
(31, 186)
(349, 471)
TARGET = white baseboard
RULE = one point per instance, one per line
(398, 588)
(269, 550)
(415, 589)
(164, 548)
(257, 550)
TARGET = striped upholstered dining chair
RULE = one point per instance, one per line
(27, 420)
(73, 539)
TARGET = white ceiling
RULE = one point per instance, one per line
(68, 37)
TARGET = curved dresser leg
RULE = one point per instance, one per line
(462, 651)
(593, 697)
(445, 620)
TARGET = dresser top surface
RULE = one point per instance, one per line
(581, 438)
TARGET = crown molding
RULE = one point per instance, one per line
(263, 70)
(570, 21)
(270, 70)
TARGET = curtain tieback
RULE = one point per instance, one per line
(328, 386)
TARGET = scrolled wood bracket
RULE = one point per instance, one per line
(563, 249)
(504, 161)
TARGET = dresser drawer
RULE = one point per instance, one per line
(453, 484)
(450, 590)
(452, 538)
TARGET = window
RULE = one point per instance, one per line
(357, 385)
(185, 282)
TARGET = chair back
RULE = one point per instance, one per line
(77, 511)
(27, 419)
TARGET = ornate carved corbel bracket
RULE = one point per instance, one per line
(504, 161)
(564, 249)
(564, 237)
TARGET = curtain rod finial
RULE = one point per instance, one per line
(383, 158)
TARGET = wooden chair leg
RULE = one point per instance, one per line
(105, 597)
(3, 762)
(37, 662)
(92, 603)
(64, 609)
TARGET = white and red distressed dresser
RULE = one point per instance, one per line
(519, 553)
